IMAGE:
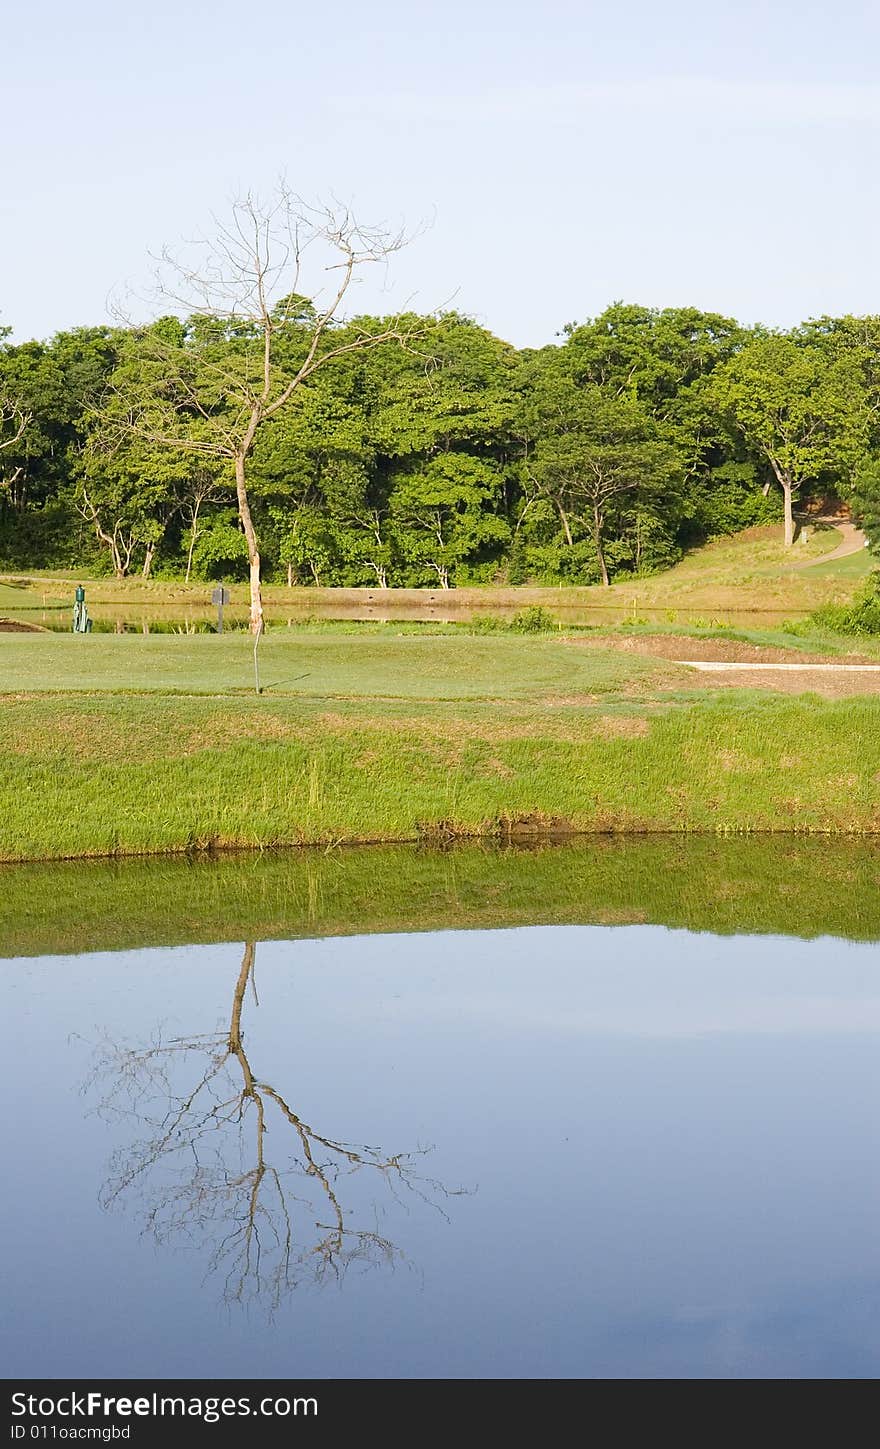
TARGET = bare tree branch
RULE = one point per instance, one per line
(249, 338)
(201, 1166)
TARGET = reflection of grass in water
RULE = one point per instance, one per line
(800, 888)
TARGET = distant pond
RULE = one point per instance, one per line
(169, 618)
(600, 1110)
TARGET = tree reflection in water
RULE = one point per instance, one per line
(204, 1173)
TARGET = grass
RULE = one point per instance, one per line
(317, 662)
(14, 598)
(805, 888)
(855, 566)
(129, 744)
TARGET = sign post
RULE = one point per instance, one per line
(220, 597)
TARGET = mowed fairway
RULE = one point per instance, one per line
(132, 744)
(307, 663)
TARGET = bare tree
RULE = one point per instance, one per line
(252, 336)
(204, 1170)
(14, 422)
(118, 535)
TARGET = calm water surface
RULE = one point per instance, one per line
(552, 1151)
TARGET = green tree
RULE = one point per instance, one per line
(802, 408)
(865, 500)
(128, 494)
(596, 457)
(220, 550)
(443, 516)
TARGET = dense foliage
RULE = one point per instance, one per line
(860, 616)
(455, 459)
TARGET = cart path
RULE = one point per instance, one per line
(853, 540)
(719, 665)
(813, 676)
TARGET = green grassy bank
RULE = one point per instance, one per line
(802, 888)
(135, 745)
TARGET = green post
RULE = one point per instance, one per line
(82, 624)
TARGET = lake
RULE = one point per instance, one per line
(268, 1117)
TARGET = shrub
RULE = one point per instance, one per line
(534, 620)
(862, 616)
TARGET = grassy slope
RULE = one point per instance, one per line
(804, 887)
(127, 744)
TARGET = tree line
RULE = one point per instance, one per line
(252, 431)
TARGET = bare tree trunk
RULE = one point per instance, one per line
(244, 976)
(109, 540)
(148, 560)
(193, 535)
(562, 514)
(290, 575)
(597, 538)
(119, 568)
(244, 513)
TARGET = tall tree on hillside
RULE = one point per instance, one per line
(443, 438)
(250, 338)
(802, 407)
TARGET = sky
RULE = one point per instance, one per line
(546, 159)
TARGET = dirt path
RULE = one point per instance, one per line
(853, 541)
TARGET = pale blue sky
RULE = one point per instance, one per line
(565, 154)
